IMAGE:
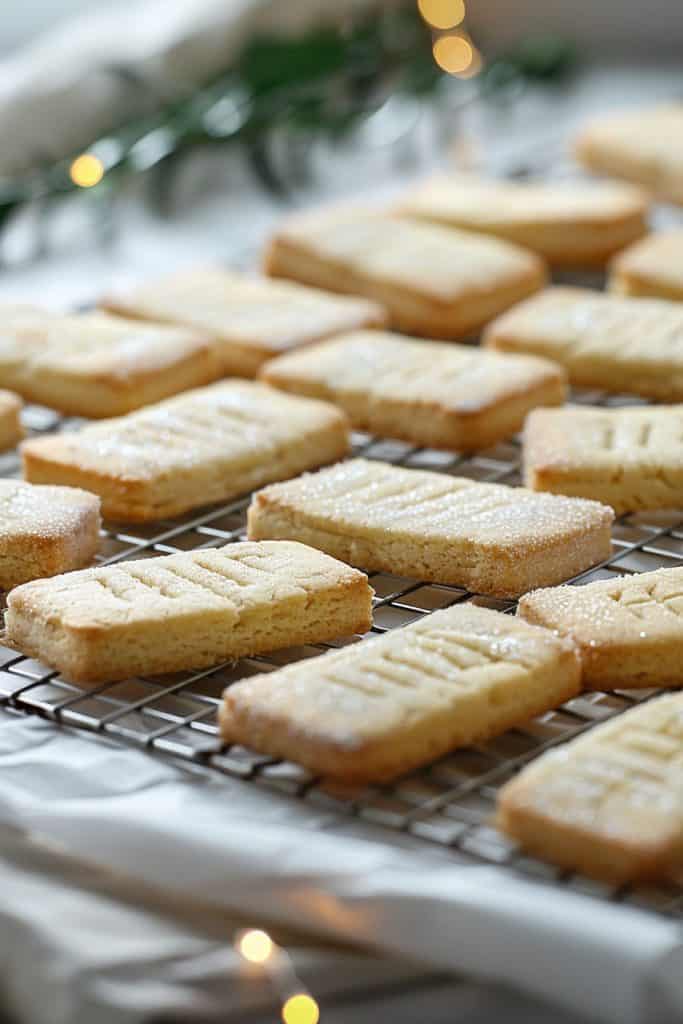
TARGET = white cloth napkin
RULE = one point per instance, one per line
(62, 91)
(236, 848)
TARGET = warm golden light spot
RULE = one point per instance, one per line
(474, 67)
(442, 13)
(453, 54)
(255, 946)
(86, 170)
(300, 1009)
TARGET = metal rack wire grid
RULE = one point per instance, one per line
(449, 802)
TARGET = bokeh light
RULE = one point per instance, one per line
(474, 67)
(86, 170)
(255, 946)
(453, 53)
(301, 1009)
(442, 14)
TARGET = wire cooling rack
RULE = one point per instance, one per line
(451, 801)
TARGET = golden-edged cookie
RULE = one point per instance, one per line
(652, 267)
(434, 281)
(205, 446)
(250, 319)
(97, 365)
(11, 430)
(630, 458)
(629, 630)
(644, 146)
(443, 396)
(186, 611)
(609, 804)
(603, 341)
(383, 706)
(489, 538)
(45, 531)
(568, 223)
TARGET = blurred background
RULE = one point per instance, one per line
(622, 26)
(144, 132)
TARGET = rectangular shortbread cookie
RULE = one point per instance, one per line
(603, 341)
(45, 531)
(184, 611)
(11, 430)
(643, 146)
(202, 447)
(629, 630)
(569, 224)
(384, 706)
(250, 319)
(434, 281)
(630, 458)
(652, 267)
(443, 396)
(489, 538)
(97, 365)
(609, 804)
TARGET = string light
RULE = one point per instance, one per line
(86, 170)
(453, 53)
(255, 946)
(442, 14)
(300, 1009)
(475, 66)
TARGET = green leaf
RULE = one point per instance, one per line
(421, 76)
(7, 208)
(258, 155)
(271, 62)
(544, 58)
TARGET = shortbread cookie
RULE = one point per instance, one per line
(434, 281)
(643, 146)
(444, 396)
(569, 224)
(630, 458)
(652, 267)
(98, 365)
(205, 446)
(384, 706)
(45, 531)
(629, 630)
(11, 430)
(489, 538)
(251, 319)
(186, 611)
(609, 804)
(603, 341)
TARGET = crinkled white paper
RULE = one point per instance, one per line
(238, 849)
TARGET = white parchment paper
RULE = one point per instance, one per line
(236, 849)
